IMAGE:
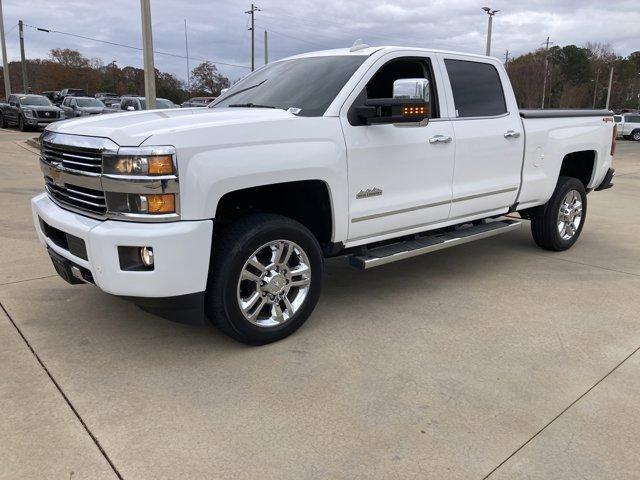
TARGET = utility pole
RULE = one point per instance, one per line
(546, 64)
(186, 46)
(5, 61)
(506, 58)
(147, 52)
(609, 90)
(595, 88)
(252, 12)
(25, 83)
(491, 13)
(266, 48)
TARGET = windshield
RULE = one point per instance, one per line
(35, 100)
(307, 84)
(160, 103)
(89, 102)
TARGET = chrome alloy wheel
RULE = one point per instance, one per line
(570, 215)
(274, 283)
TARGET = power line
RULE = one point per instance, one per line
(49, 30)
(293, 38)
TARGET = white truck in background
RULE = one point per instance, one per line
(378, 154)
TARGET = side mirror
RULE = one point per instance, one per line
(130, 108)
(411, 89)
(393, 110)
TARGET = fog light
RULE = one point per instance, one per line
(146, 255)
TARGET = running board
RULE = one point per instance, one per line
(430, 243)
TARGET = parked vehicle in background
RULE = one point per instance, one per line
(628, 126)
(29, 111)
(198, 102)
(112, 102)
(82, 106)
(103, 95)
(51, 94)
(377, 154)
(68, 92)
(139, 103)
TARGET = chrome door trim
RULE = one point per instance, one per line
(436, 204)
(487, 194)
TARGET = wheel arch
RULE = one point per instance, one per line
(305, 201)
(579, 164)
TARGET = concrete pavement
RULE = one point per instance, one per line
(494, 358)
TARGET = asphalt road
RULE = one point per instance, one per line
(493, 359)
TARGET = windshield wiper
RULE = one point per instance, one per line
(250, 105)
(239, 91)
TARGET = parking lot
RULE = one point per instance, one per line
(494, 359)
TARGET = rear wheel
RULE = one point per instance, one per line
(559, 227)
(265, 278)
(635, 135)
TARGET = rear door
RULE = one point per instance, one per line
(489, 136)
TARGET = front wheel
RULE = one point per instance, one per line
(21, 125)
(265, 278)
(559, 227)
(636, 135)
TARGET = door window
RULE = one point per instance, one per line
(381, 84)
(477, 90)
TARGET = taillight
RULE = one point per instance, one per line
(614, 138)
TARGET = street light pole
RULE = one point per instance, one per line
(147, 52)
(5, 61)
(491, 13)
(609, 90)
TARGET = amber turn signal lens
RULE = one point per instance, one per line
(410, 111)
(160, 165)
(165, 203)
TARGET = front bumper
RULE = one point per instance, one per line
(181, 251)
(40, 122)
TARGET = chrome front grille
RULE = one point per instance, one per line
(76, 196)
(74, 158)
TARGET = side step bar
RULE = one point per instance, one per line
(430, 243)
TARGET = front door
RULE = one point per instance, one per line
(399, 174)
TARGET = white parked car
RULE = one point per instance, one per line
(628, 126)
(378, 154)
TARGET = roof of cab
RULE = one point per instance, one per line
(384, 49)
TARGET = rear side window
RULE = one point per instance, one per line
(632, 119)
(477, 91)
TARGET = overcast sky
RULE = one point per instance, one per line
(217, 30)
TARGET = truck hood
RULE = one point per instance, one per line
(40, 108)
(133, 128)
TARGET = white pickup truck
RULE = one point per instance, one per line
(378, 154)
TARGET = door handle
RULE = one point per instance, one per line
(511, 134)
(440, 139)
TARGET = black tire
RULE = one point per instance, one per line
(544, 226)
(627, 137)
(21, 125)
(635, 135)
(231, 249)
(3, 124)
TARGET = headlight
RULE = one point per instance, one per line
(151, 161)
(29, 113)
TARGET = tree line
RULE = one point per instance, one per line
(576, 77)
(67, 68)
